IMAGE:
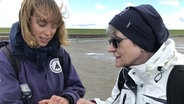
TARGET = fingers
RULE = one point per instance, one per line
(84, 101)
(80, 101)
(58, 100)
(54, 100)
(43, 102)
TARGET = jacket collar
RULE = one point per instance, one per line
(20, 48)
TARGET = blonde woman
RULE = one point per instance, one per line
(46, 74)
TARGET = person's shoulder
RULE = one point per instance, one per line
(63, 52)
(62, 49)
(175, 89)
(180, 67)
(177, 73)
(3, 47)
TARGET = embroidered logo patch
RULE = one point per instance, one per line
(55, 65)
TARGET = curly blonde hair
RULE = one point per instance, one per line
(41, 9)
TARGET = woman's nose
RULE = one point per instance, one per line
(48, 30)
(110, 48)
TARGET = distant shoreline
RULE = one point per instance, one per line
(4, 36)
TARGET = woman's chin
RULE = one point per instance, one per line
(118, 65)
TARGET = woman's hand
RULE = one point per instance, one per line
(84, 101)
(55, 100)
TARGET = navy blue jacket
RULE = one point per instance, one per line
(43, 72)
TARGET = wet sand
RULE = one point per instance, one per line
(96, 66)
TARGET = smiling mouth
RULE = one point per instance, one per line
(44, 40)
(117, 57)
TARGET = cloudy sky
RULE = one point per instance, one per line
(97, 13)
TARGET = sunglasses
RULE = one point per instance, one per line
(115, 41)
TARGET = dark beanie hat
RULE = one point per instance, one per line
(143, 25)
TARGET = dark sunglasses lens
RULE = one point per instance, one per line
(114, 43)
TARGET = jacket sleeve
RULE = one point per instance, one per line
(73, 86)
(10, 92)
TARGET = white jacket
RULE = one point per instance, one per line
(148, 90)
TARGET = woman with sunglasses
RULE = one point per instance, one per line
(46, 74)
(153, 70)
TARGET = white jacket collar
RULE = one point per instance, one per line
(165, 57)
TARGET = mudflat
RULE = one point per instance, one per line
(95, 65)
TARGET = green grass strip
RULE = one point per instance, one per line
(97, 31)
